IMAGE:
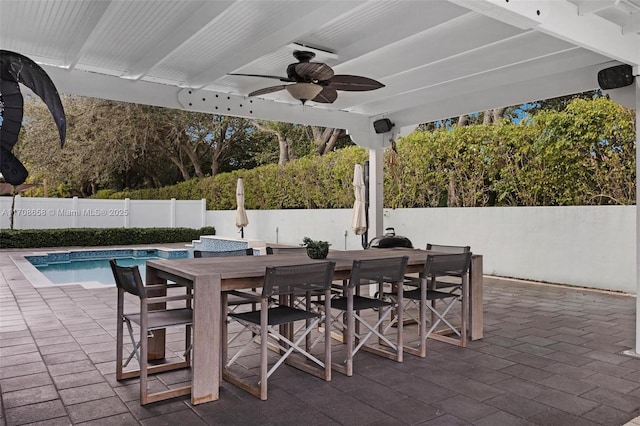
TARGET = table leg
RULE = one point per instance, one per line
(476, 298)
(156, 346)
(207, 330)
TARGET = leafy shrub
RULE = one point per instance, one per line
(82, 237)
(309, 182)
(582, 155)
(104, 193)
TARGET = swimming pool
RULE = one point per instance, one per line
(91, 267)
(78, 271)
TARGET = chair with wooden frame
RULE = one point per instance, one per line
(298, 301)
(454, 266)
(152, 315)
(454, 286)
(273, 322)
(351, 303)
(411, 307)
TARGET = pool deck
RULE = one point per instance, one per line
(551, 355)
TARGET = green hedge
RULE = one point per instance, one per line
(68, 237)
(583, 155)
(310, 182)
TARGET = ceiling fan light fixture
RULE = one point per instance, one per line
(304, 91)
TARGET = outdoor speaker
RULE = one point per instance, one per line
(383, 125)
(615, 77)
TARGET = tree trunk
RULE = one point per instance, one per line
(193, 157)
(219, 147)
(487, 117)
(498, 113)
(490, 116)
(183, 169)
(288, 149)
(452, 198)
(326, 139)
(463, 120)
(155, 179)
(286, 152)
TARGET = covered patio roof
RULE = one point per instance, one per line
(436, 58)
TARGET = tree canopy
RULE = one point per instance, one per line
(117, 145)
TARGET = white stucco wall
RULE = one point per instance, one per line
(591, 246)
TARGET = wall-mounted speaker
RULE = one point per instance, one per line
(615, 77)
(383, 125)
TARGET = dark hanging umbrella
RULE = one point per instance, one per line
(16, 68)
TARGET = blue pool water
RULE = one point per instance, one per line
(93, 265)
(77, 271)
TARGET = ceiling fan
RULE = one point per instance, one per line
(315, 81)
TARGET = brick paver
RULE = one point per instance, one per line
(551, 355)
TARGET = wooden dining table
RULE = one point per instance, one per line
(209, 277)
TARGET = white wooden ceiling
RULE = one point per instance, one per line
(436, 58)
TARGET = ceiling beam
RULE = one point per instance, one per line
(593, 6)
(513, 93)
(83, 35)
(175, 37)
(262, 109)
(416, 17)
(102, 86)
(290, 29)
(559, 18)
(518, 74)
(631, 24)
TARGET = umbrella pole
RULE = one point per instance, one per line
(365, 236)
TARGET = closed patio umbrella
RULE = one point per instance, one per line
(241, 213)
(358, 218)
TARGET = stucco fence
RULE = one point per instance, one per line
(589, 246)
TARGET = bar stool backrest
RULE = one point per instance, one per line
(128, 279)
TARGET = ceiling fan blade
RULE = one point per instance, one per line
(327, 96)
(267, 90)
(314, 71)
(353, 83)
(277, 77)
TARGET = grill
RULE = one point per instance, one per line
(389, 240)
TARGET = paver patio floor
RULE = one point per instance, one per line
(551, 355)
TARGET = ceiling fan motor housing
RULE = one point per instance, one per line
(303, 57)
